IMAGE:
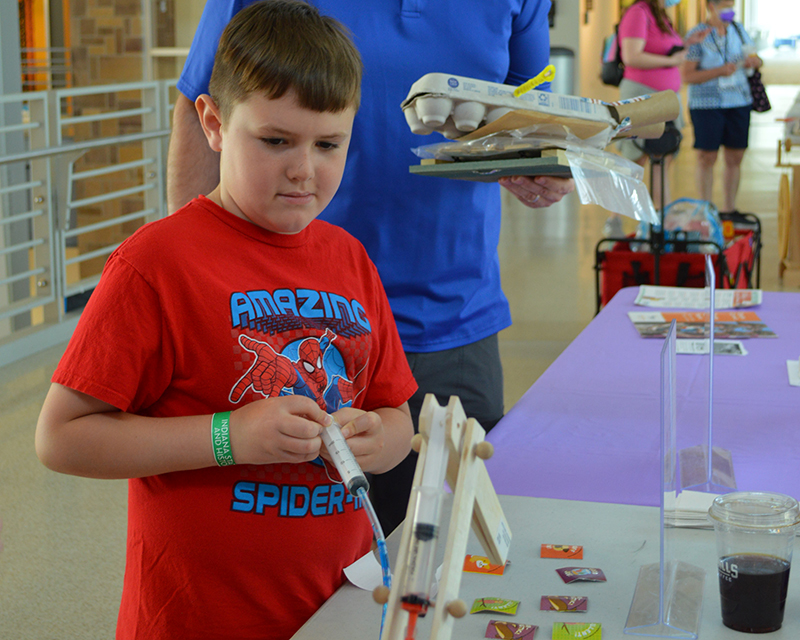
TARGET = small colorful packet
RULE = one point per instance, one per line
(496, 605)
(481, 564)
(564, 604)
(510, 630)
(572, 574)
(583, 630)
(562, 551)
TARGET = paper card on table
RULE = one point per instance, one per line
(694, 298)
(732, 325)
(481, 564)
(569, 630)
(721, 347)
(495, 605)
(564, 603)
(365, 573)
(510, 630)
(793, 367)
(586, 574)
(562, 551)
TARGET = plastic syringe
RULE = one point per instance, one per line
(343, 459)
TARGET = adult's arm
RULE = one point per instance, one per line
(692, 75)
(529, 53)
(634, 55)
(192, 166)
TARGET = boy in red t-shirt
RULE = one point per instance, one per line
(244, 306)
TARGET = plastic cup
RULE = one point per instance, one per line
(754, 533)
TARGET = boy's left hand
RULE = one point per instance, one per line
(364, 433)
(538, 192)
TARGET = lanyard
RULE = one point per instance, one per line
(714, 37)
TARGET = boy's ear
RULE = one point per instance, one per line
(211, 120)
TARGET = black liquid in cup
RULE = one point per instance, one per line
(753, 591)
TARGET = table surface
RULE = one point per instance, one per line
(617, 539)
(589, 427)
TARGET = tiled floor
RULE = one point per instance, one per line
(61, 570)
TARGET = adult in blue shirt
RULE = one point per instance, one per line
(433, 240)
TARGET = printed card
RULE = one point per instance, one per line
(573, 574)
(480, 564)
(564, 603)
(583, 630)
(495, 605)
(510, 630)
(562, 551)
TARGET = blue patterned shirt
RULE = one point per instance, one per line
(715, 51)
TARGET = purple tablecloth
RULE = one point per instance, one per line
(589, 428)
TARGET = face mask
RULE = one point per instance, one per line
(671, 3)
(727, 15)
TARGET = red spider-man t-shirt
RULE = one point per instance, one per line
(203, 312)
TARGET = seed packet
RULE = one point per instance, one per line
(562, 551)
(510, 630)
(582, 630)
(496, 605)
(480, 564)
(564, 603)
(571, 574)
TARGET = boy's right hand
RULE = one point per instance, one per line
(283, 429)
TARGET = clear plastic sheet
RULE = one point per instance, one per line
(601, 177)
(518, 141)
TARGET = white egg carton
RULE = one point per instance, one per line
(454, 105)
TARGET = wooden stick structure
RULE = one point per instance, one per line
(474, 502)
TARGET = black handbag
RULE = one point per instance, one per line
(612, 68)
(757, 90)
(759, 93)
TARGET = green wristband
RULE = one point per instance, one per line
(221, 438)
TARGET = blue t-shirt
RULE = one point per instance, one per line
(716, 51)
(433, 240)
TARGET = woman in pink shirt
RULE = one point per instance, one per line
(653, 53)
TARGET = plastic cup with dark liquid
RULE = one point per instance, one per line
(754, 532)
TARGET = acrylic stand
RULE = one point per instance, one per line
(474, 501)
(669, 595)
(698, 470)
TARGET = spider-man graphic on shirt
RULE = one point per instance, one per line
(311, 367)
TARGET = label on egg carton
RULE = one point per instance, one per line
(454, 105)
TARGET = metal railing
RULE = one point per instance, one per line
(80, 171)
(46, 68)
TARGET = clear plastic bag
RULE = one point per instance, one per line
(612, 182)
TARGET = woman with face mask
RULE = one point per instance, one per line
(652, 52)
(719, 98)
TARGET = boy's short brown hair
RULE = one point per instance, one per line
(273, 46)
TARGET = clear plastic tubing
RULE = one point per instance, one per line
(356, 483)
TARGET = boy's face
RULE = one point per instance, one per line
(280, 163)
